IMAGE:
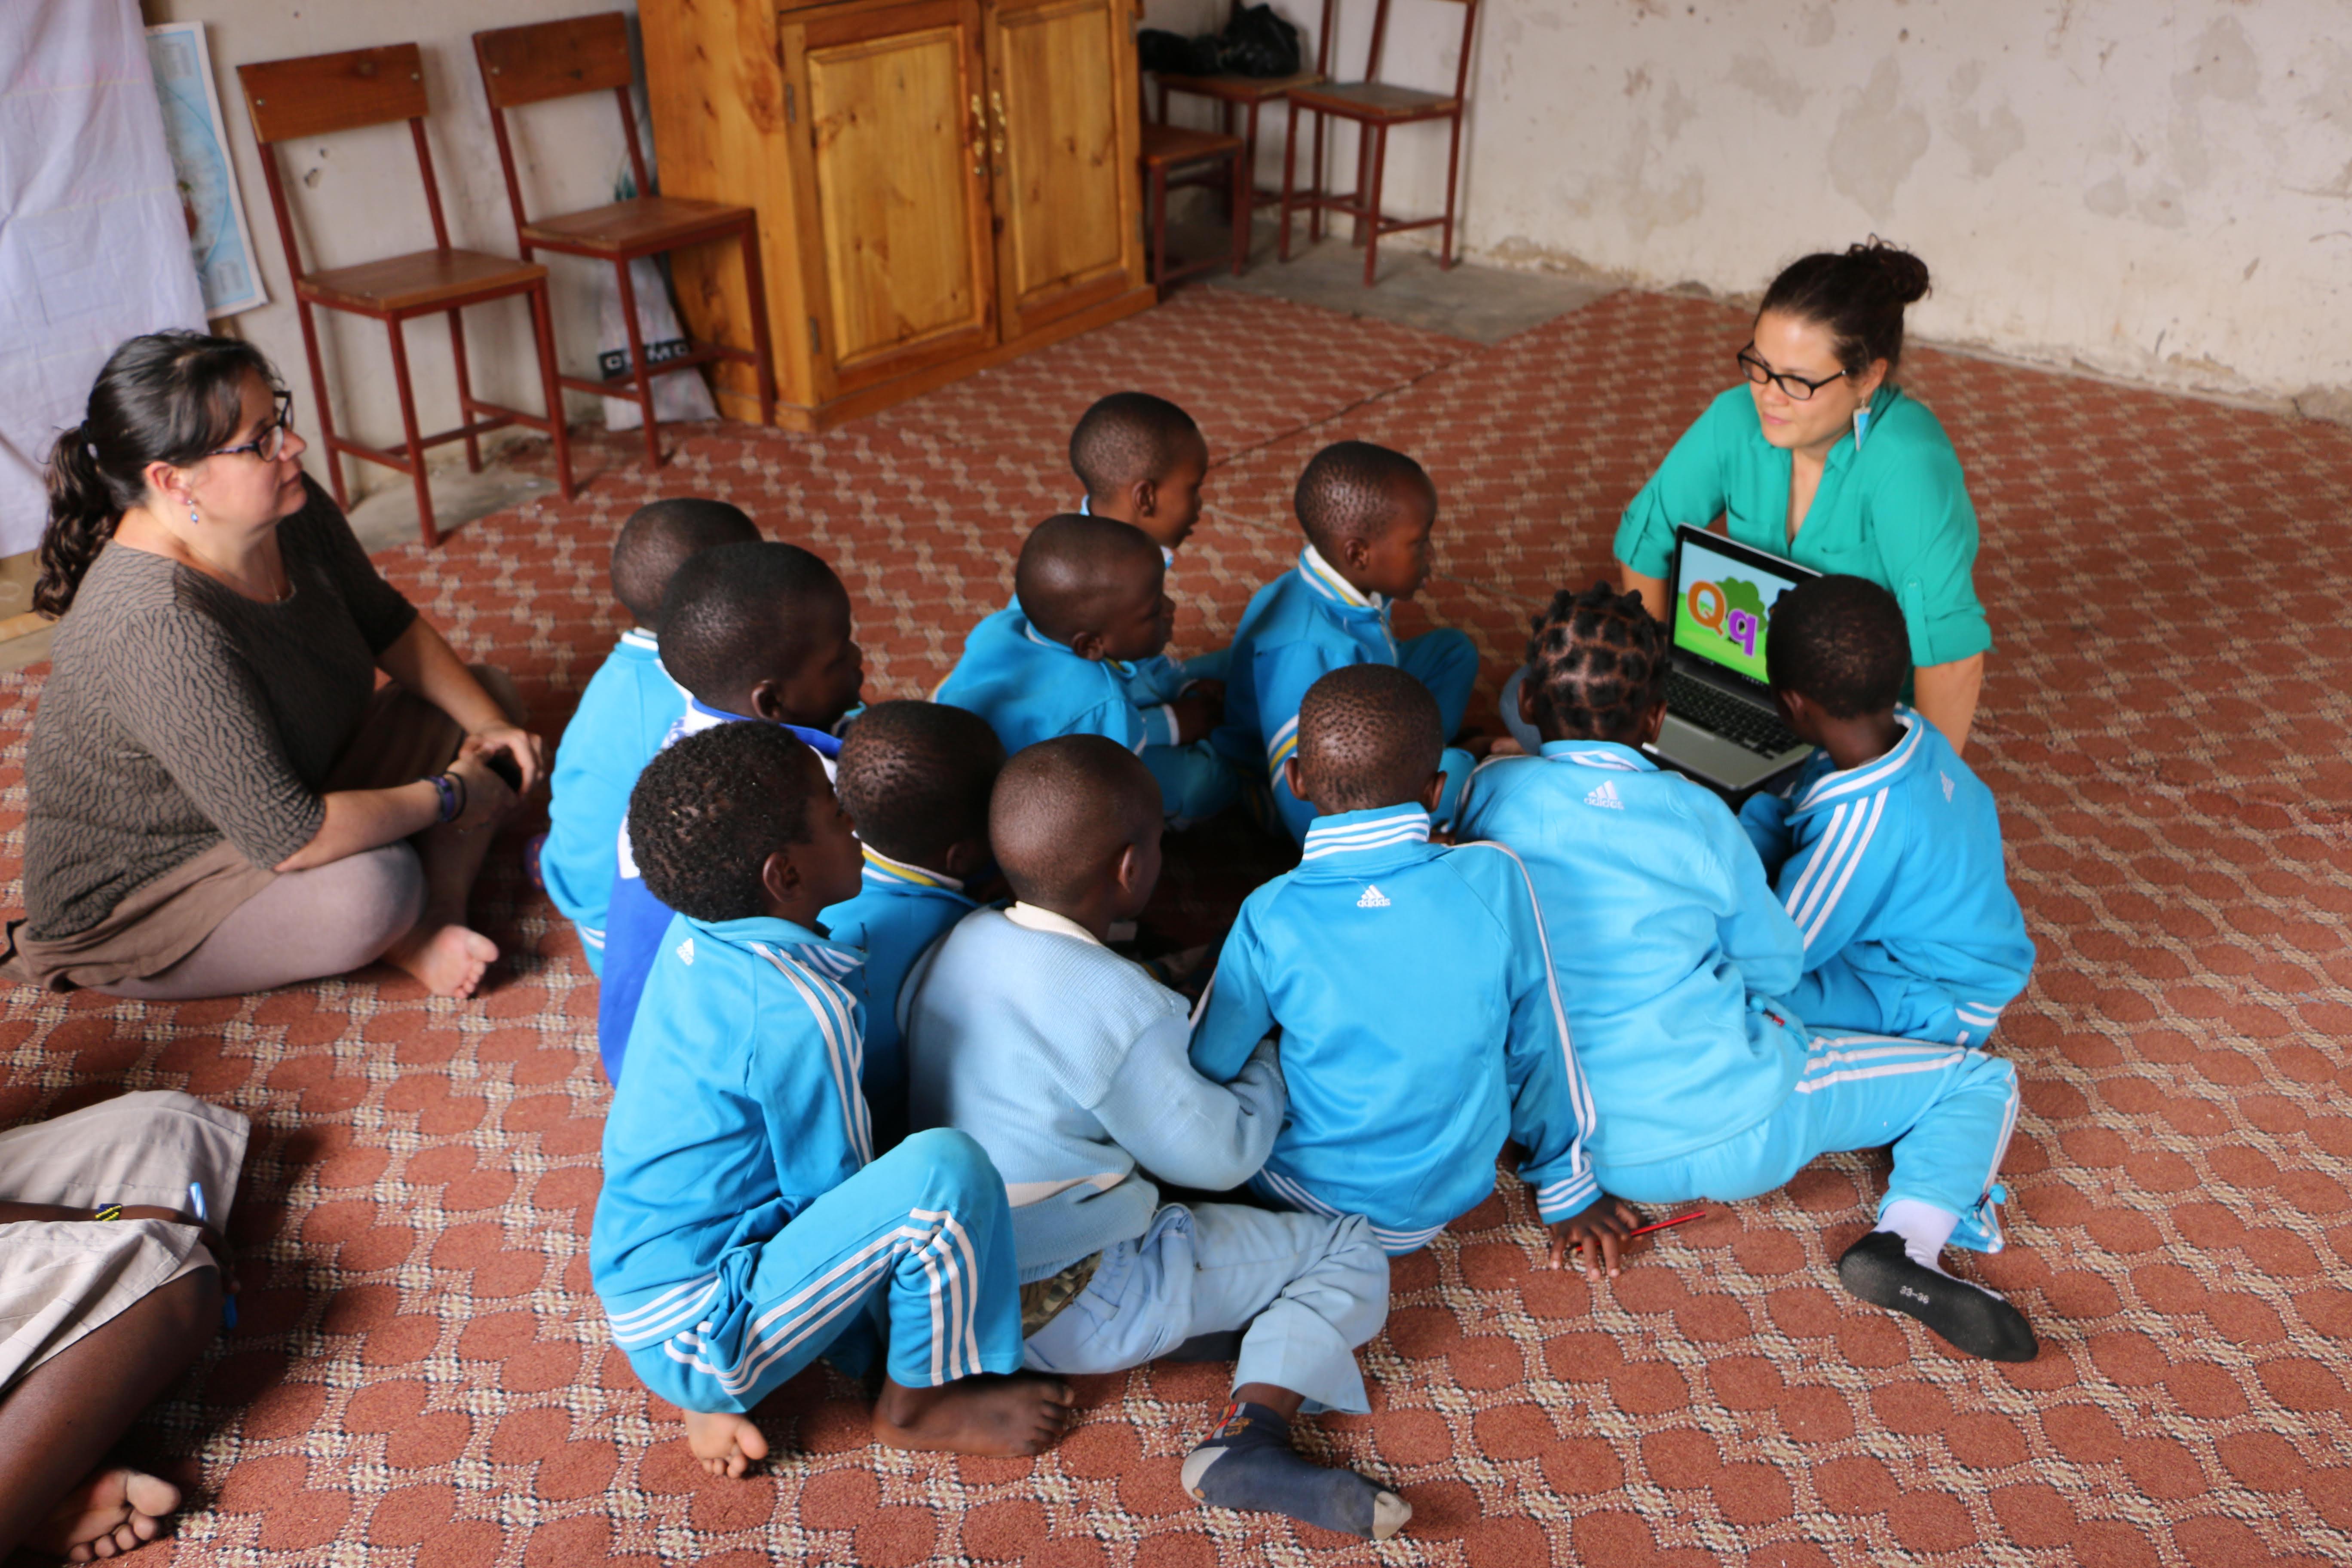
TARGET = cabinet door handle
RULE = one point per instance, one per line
(996, 103)
(979, 139)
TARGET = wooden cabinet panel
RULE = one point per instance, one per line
(1066, 179)
(900, 226)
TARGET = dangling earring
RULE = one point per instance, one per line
(192, 519)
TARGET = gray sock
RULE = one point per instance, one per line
(1247, 1463)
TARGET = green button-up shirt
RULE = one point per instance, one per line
(1897, 512)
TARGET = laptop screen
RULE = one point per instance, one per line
(1723, 607)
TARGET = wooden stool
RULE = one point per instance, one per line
(1249, 93)
(557, 60)
(1168, 149)
(1375, 107)
(319, 94)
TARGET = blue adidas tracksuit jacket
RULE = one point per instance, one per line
(1421, 1027)
(623, 717)
(635, 919)
(1893, 872)
(746, 1227)
(896, 917)
(1030, 688)
(1153, 683)
(1669, 939)
(1666, 936)
(1299, 628)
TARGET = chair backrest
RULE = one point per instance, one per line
(1379, 40)
(319, 94)
(316, 95)
(557, 60)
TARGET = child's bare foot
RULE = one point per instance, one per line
(990, 1412)
(114, 1511)
(725, 1442)
(448, 960)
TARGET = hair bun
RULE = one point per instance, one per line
(1904, 275)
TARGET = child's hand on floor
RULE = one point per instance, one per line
(1597, 1236)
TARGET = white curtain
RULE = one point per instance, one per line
(93, 237)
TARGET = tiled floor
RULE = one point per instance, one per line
(422, 1376)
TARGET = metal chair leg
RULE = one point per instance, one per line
(1289, 171)
(1453, 170)
(416, 446)
(755, 286)
(542, 329)
(325, 409)
(1244, 188)
(640, 372)
(465, 390)
(1379, 139)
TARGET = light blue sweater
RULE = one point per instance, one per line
(1068, 1063)
(623, 717)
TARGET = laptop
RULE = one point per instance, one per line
(1722, 726)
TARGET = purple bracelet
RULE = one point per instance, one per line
(452, 792)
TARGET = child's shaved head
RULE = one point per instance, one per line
(1368, 736)
(1131, 436)
(658, 537)
(1353, 489)
(916, 778)
(1840, 642)
(1064, 812)
(1077, 572)
(745, 614)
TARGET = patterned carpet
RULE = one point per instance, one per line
(421, 1376)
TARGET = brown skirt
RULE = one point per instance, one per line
(403, 739)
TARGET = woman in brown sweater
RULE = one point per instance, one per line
(221, 799)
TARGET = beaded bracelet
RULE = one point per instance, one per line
(451, 789)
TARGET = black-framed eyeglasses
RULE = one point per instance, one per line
(1796, 386)
(271, 443)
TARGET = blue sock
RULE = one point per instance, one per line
(1247, 1463)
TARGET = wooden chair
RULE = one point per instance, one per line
(1250, 93)
(1376, 108)
(1169, 150)
(530, 65)
(322, 94)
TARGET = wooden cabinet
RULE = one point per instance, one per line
(941, 185)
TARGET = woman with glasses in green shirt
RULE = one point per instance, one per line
(1821, 460)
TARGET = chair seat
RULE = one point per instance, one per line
(646, 224)
(1375, 100)
(421, 281)
(1168, 145)
(1241, 89)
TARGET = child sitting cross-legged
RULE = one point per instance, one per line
(1368, 513)
(1088, 602)
(915, 777)
(1420, 1025)
(751, 631)
(1670, 947)
(746, 1227)
(1886, 852)
(1067, 1062)
(626, 713)
(1143, 461)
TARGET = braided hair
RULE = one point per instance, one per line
(1596, 665)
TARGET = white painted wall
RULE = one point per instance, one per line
(356, 197)
(2159, 190)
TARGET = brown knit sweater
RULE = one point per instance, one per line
(179, 712)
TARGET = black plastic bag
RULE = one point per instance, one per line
(1170, 54)
(1256, 42)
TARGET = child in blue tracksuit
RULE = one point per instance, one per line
(626, 713)
(1144, 461)
(915, 777)
(1368, 513)
(746, 1224)
(1420, 1021)
(751, 631)
(1670, 946)
(1887, 851)
(1067, 1063)
(1088, 603)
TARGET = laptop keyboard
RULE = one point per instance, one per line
(1736, 721)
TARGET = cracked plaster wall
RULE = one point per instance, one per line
(2159, 190)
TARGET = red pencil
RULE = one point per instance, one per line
(1660, 1225)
